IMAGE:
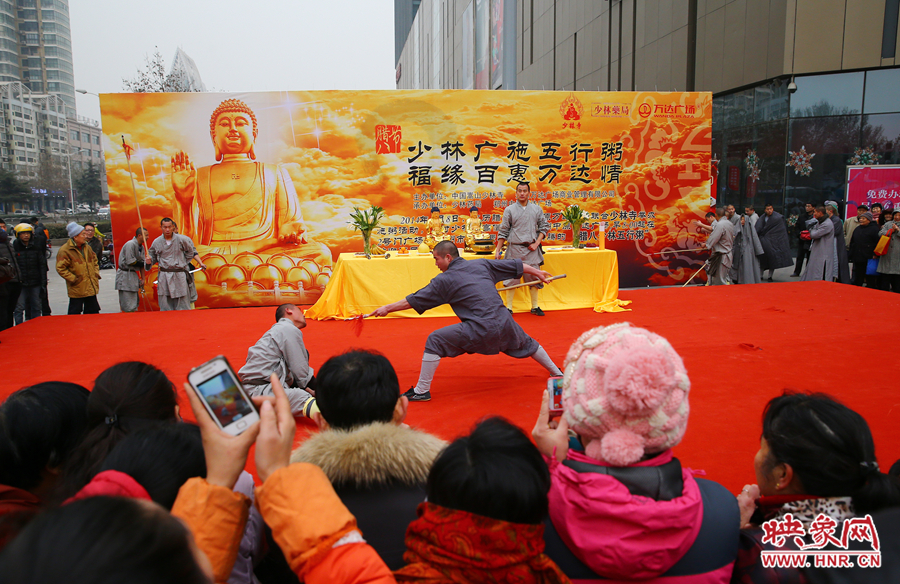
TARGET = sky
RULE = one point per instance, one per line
(263, 45)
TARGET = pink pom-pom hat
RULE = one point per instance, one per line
(625, 392)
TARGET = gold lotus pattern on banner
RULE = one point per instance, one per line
(264, 183)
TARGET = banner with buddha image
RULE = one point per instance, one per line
(264, 183)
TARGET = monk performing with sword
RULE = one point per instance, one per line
(486, 327)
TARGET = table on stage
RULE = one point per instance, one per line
(359, 285)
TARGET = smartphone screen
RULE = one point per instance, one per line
(554, 388)
(224, 399)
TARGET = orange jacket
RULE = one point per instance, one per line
(307, 520)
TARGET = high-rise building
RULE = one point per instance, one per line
(45, 47)
(185, 72)
(786, 75)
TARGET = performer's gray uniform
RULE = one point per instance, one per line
(280, 351)
(720, 242)
(520, 227)
(173, 286)
(487, 327)
(129, 275)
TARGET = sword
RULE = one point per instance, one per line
(532, 283)
(189, 272)
(677, 251)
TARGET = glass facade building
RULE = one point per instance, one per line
(829, 116)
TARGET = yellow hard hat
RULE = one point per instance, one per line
(22, 227)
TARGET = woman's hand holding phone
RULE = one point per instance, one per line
(226, 455)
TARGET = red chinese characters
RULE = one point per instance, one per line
(387, 139)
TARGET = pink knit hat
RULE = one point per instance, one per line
(625, 389)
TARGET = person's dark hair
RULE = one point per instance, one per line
(830, 449)
(139, 230)
(524, 184)
(91, 224)
(33, 220)
(99, 540)
(435, 210)
(282, 310)
(877, 205)
(40, 426)
(496, 471)
(711, 214)
(126, 397)
(161, 459)
(863, 207)
(821, 209)
(166, 220)
(357, 388)
(447, 247)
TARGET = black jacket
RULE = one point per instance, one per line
(32, 263)
(863, 242)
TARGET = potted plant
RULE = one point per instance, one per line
(574, 215)
(366, 221)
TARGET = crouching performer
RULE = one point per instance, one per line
(281, 351)
(469, 287)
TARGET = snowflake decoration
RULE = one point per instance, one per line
(752, 161)
(864, 157)
(801, 161)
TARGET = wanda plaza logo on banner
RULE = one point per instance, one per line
(822, 533)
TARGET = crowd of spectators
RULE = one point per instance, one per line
(111, 485)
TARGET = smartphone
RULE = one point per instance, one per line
(554, 388)
(221, 392)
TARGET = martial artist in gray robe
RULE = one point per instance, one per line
(841, 270)
(522, 226)
(773, 236)
(130, 274)
(173, 256)
(280, 351)
(720, 242)
(486, 327)
(745, 268)
(821, 253)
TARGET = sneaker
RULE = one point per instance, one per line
(537, 311)
(412, 396)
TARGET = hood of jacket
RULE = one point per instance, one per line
(376, 454)
(14, 499)
(619, 535)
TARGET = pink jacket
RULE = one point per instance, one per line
(625, 537)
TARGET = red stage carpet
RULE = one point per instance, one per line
(741, 345)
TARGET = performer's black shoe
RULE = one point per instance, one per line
(411, 395)
(510, 310)
(537, 311)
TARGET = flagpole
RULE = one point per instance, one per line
(137, 206)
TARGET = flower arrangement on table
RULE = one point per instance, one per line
(366, 221)
(574, 215)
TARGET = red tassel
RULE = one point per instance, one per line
(358, 324)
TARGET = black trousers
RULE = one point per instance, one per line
(801, 255)
(860, 277)
(88, 305)
(6, 314)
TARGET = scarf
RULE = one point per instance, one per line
(449, 546)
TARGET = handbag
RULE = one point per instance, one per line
(872, 267)
(882, 247)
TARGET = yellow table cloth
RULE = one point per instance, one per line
(359, 285)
